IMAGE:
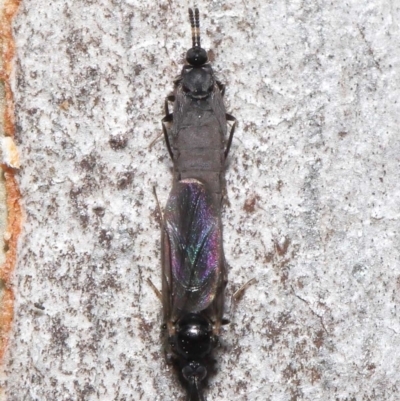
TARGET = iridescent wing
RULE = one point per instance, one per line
(193, 261)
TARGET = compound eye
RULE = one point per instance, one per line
(196, 56)
(194, 370)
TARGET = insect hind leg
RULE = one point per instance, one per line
(155, 289)
(235, 299)
(149, 282)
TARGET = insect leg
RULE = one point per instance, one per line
(170, 98)
(229, 117)
(154, 141)
(165, 131)
(168, 119)
(221, 88)
(235, 298)
(155, 289)
(159, 207)
(149, 282)
(238, 294)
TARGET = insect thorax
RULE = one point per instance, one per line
(198, 82)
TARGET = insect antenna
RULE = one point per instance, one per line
(196, 56)
(193, 25)
(197, 24)
(194, 18)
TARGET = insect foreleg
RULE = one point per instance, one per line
(170, 98)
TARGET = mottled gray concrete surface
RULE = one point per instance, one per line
(312, 209)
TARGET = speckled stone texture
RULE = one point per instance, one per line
(312, 209)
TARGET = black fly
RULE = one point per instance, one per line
(193, 262)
